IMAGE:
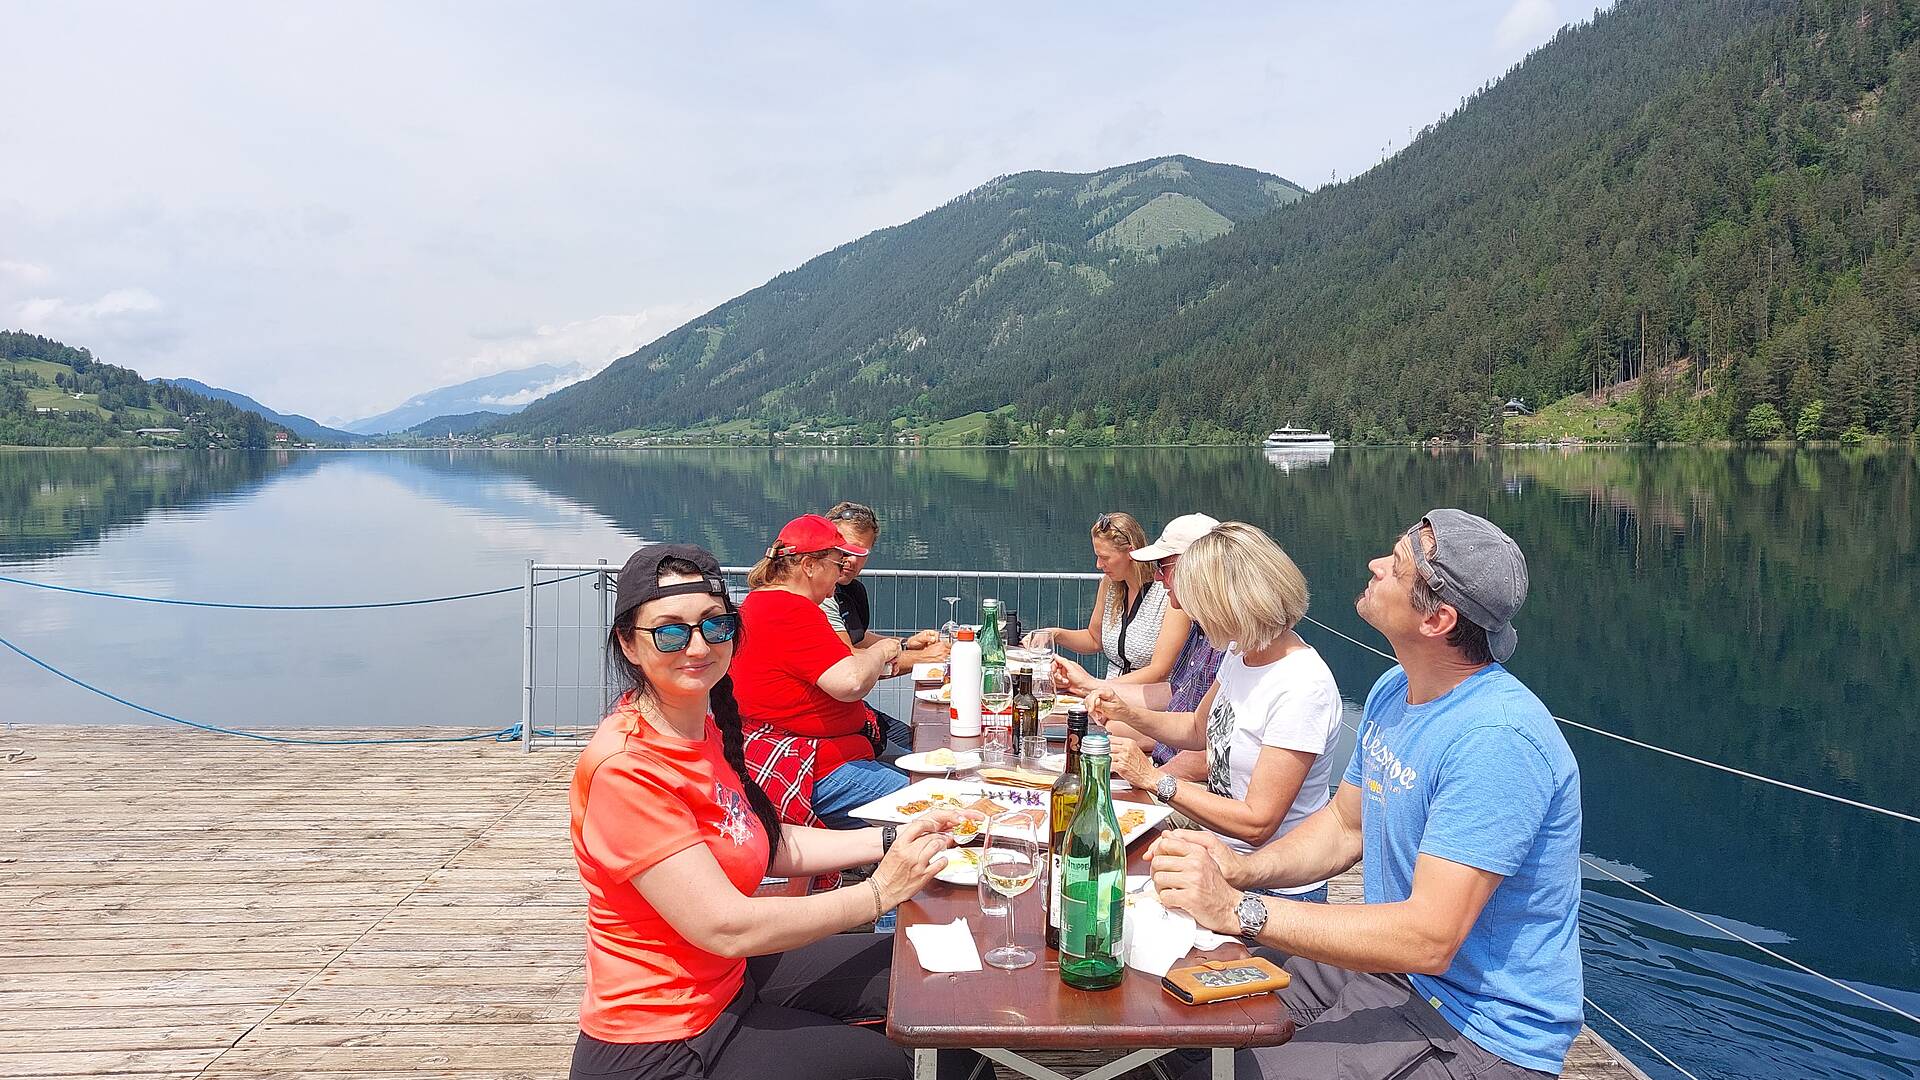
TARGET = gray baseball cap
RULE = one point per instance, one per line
(1476, 568)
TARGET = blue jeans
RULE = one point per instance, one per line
(851, 786)
(1317, 896)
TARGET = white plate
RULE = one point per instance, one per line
(930, 673)
(963, 761)
(938, 695)
(963, 867)
(956, 793)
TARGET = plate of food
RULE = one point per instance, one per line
(934, 793)
(934, 673)
(939, 695)
(941, 762)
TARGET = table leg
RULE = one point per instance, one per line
(1222, 1063)
(926, 1064)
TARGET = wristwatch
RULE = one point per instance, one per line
(1166, 788)
(887, 835)
(1253, 916)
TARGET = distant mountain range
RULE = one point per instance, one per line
(919, 317)
(305, 427)
(502, 393)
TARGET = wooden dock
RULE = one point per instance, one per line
(179, 905)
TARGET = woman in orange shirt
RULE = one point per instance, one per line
(689, 973)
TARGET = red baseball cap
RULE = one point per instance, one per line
(811, 532)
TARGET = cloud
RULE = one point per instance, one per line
(1526, 23)
(128, 317)
(25, 272)
(586, 344)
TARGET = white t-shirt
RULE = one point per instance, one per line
(1293, 704)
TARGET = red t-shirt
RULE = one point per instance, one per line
(640, 795)
(776, 674)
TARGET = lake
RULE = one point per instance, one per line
(1752, 607)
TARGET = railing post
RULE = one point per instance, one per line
(526, 663)
(605, 589)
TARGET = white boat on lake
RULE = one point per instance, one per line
(1288, 437)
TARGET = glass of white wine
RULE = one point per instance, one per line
(1010, 859)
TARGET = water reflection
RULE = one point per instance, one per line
(1289, 458)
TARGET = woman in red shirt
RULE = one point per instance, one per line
(811, 739)
(689, 973)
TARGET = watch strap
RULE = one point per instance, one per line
(888, 833)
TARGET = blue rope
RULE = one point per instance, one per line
(505, 734)
(287, 607)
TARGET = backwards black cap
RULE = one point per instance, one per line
(640, 577)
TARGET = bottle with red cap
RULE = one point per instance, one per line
(963, 672)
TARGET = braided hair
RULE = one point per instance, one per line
(726, 711)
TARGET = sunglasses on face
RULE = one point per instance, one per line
(1163, 567)
(676, 636)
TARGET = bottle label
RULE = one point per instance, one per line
(1074, 918)
(1053, 892)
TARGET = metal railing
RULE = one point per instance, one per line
(566, 687)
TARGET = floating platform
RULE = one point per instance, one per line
(200, 907)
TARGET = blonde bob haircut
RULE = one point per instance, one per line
(1240, 587)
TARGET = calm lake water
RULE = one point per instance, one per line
(1758, 608)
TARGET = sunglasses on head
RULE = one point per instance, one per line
(676, 636)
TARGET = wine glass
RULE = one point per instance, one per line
(1010, 860)
(996, 703)
(950, 630)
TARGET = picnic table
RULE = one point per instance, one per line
(1006, 1015)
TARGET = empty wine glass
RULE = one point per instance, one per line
(950, 630)
(1010, 860)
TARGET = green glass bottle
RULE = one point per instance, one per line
(1093, 878)
(993, 650)
(1061, 803)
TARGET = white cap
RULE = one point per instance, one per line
(1179, 534)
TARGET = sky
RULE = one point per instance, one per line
(332, 207)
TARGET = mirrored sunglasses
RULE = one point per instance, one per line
(676, 636)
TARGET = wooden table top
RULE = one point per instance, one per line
(1031, 1008)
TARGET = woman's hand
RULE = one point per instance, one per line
(1072, 678)
(912, 861)
(1108, 707)
(1132, 764)
(931, 823)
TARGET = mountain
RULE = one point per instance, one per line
(503, 393)
(457, 424)
(883, 326)
(1728, 183)
(305, 427)
(1722, 188)
(52, 394)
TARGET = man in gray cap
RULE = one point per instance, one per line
(1463, 801)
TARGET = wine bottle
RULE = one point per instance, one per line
(1093, 879)
(1026, 709)
(1060, 807)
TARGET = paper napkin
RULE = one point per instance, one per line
(945, 946)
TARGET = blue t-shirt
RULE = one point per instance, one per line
(1482, 776)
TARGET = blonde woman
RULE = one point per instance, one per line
(1271, 718)
(1131, 624)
